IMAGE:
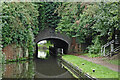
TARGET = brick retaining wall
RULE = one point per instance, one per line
(13, 52)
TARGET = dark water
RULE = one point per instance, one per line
(37, 68)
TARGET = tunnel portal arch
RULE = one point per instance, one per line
(59, 39)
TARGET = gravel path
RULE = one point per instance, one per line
(101, 62)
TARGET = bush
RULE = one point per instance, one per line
(96, 47)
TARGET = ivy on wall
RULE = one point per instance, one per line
(97, 21)
(47, 15)
(21, 25)
(70, 22)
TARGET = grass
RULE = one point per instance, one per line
(92, 55)
(100, 71)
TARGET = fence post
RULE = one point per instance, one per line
(112, 49)
(102, 51)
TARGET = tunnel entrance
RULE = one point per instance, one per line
(58, 47)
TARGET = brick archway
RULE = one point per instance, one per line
(50, 33)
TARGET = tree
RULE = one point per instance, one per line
(97, 21)
(71, 21)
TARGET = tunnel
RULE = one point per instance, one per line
(58, 44)
(60, 40)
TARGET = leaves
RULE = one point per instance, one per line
(47, 15)
(22, 22)
(84, 21)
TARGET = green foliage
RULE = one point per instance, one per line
(84, 21)
(106, 22)
(95, 48)
(106, 19)
(75, 22)
(21, 24)
(47, 15)
(1, 55)
(16, 60)
(92, 55)
(47, 44)
(70, 14)
(45, 48)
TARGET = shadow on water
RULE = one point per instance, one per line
(50, 68)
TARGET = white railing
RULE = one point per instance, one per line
(106, 45)
(117, 49)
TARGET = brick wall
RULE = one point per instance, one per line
(75, 47)
(13, 52)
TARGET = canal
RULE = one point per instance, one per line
(37, 68)
(44, 65)
(48, 68)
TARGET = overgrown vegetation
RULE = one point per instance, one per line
(100, 71)
(1, 35)
(92, 23)
(95, 22)
(21, 25)
(46, 45)
(48, 18)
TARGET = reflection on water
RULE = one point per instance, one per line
(50, 67)
(1, 71)
(42, 54)
(43, 49)
(38, 68)
(24, 69)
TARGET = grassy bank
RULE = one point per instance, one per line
(92, 55)
(100, 71)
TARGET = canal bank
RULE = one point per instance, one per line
(76, 71)
(93, 70)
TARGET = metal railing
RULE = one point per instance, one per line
(103, 53)
(115, 51)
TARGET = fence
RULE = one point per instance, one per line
(103, 48)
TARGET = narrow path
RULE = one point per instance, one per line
(101, 62)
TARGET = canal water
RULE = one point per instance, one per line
(44, 66)
(37, 68)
